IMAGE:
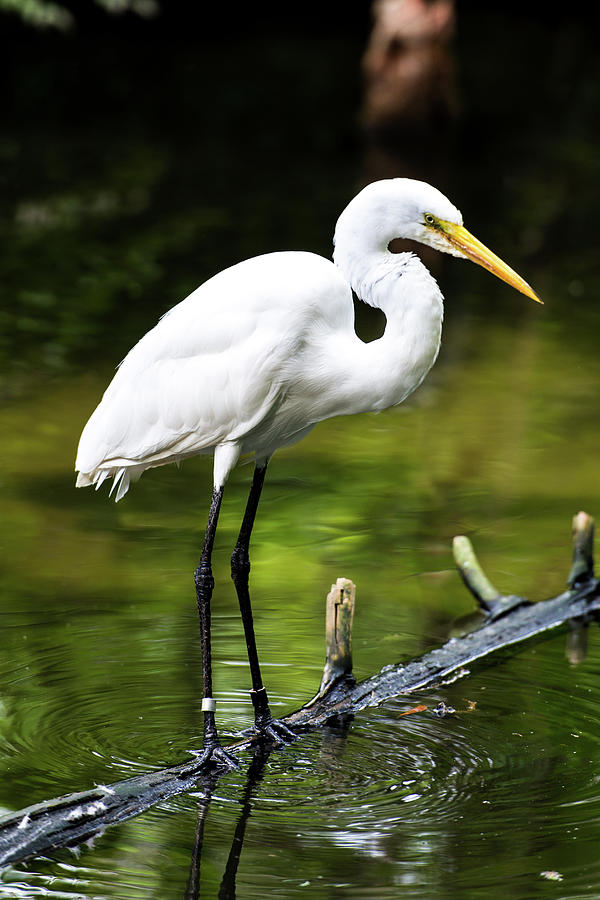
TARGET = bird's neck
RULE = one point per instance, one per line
(362, 268)
(401, 286)
(397, 283)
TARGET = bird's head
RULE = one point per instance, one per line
(405, 208)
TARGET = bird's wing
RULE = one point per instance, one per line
(210, 370)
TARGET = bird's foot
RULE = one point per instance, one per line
(270, 730)
(276, 732)
(273, 733)
(215, 757)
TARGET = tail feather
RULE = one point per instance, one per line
(120, 484)
(83, 480)
(102, 476)
(122, 477)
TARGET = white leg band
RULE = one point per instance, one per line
(208, 704)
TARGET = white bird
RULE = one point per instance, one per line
(264, 350)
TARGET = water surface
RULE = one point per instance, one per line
(107, 219)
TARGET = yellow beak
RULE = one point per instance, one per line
(464, 241)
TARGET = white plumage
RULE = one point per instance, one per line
(258, 354)
(261, 352)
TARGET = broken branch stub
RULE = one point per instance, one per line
(338, 632)
(472, 574)
(582, 569)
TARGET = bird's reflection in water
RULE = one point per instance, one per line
(253, 779)
(334, 744)
(192, 890)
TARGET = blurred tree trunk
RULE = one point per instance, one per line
(408, 65)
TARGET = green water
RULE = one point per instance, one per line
(176, 165)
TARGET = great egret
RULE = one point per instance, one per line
(260, 353)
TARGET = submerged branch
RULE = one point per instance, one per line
(76, 818)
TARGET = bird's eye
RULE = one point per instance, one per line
(429, 219)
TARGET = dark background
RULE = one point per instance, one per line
(158, 136)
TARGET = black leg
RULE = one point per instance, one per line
(240, 571)
(204, 580)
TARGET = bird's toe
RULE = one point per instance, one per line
(276, 732)
(216, 757)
